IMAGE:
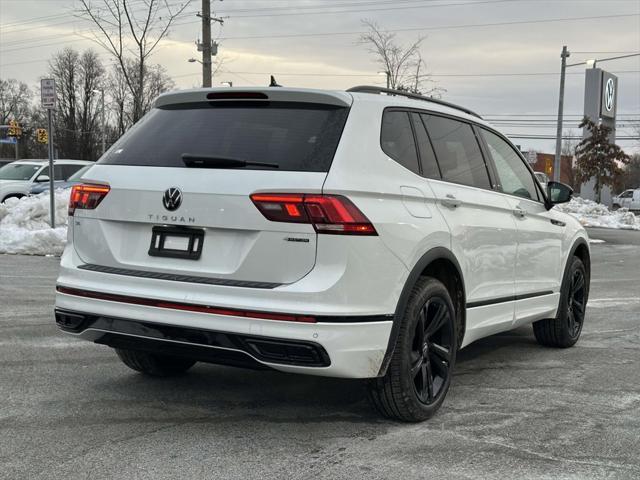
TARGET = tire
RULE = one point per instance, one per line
(402, 394)
(564, 330)
(153, 364)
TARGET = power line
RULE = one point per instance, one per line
(360, 32)
(443, 27)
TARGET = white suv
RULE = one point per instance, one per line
(17, 178)
(359, 234)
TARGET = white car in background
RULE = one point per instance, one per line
(17, 178)
(628, 199)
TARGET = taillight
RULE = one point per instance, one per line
(327, 213)
(86, 197)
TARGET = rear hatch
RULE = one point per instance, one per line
(180, 183)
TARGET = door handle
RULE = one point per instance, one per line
(520, 213)
(450, 201)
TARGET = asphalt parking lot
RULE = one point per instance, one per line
(70, 409)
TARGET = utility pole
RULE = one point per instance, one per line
(556, 163)
(206, 43)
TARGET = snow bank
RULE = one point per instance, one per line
(592, 214)
(24, 225)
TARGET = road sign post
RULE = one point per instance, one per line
(48, 100)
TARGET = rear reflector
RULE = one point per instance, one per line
(189, 307)
(86, 196)
(333, 214)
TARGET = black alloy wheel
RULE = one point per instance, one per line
(419, 373)
(564, 330)
(576, 303)
(431, 350)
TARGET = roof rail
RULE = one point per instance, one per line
(391, 91)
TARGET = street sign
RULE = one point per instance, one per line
(9, 140)
(48, 93)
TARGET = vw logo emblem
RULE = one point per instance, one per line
(172, 199)
(609, 94)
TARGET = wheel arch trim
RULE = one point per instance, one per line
(436, 253)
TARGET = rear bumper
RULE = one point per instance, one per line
(335, 349)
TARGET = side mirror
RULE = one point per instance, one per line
(559, 192)
(42, 178)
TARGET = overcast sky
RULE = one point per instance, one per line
(318, 40)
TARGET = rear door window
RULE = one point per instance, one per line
(396, 139)
(57, 169)
(69, 170)
(458, 152)
(295, 136)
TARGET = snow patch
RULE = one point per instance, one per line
(592, 214)
(595, 240)
(24, 225)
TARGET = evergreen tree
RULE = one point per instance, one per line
(598, 158)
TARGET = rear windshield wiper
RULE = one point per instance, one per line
(210, 161)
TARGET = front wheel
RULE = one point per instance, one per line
(153, 364)
(564, 330)
(419, 373)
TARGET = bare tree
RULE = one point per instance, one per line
(122, 104)
(77, 77)
(131, 35)
(15, 104)
(404, 66)
(15, 98)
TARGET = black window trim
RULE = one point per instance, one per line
(536, 184)
(488, 160)
(490, 173)
(415, 139)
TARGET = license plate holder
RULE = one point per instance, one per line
(176, 242)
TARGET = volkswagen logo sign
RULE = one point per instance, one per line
(609, 94)
(172, 198)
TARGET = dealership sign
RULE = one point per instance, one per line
(608, 95)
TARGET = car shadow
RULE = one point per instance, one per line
(212, 393)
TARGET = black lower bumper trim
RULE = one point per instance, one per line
(203, 345)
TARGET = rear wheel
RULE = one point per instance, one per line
(154, 364)
(564, 330)
(419, 374)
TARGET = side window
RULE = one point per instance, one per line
(515, 178)
(68, 170)
(627, 194)
(427, 155)
(458, 152)
(56, 168)
(396, 139)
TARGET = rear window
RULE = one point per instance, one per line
(296, 136)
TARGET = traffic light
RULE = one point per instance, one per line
(41, 135)
(13, 129)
